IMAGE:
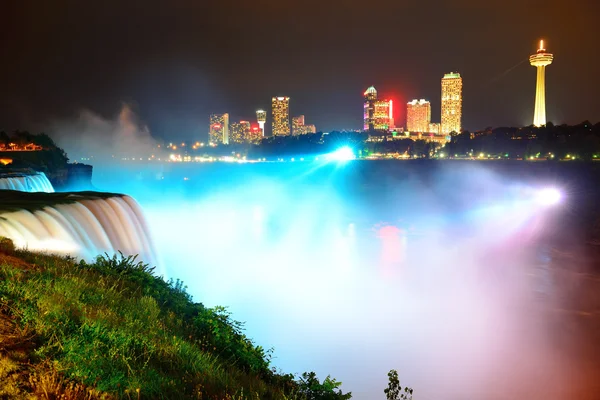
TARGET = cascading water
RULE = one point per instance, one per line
(36, 182)
(83, 225)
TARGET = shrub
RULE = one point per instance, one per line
(6, 246)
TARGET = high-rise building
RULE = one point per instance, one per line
(261, 118)
(310, 129)
(382, 120)
(219, 129)
(281, 116)
(377, 114)
(246, 127)
(369, 108)
(418, 115)
(255, 135)
(300, 128)
(239, 132)
(541, 59)
(236, 132)
(451, 103)
(298, 125)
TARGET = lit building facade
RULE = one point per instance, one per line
(255, 135)
(246, 129)
(377, 114)
(434, 128)
(418, 115)
(236, 132)
(300, 128)
(382, 120)
(218, 132)
(541, 59)
(451, 103)
(370, 96)
(310, 129)
(281, 116)
(261, 118)
(298, 125)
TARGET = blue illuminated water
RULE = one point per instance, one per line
(443, 273)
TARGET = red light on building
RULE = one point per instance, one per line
(217, 126)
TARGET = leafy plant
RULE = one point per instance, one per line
(394, 390)
(312, 389)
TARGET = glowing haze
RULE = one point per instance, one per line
(91, 135)
(441, 275)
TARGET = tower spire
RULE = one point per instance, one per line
(540, 60)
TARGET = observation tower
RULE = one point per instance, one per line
(261, 118)
(540, 60)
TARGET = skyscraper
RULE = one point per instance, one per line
(218, 132)
(281, 116)
(239, 132)
(261, 118)
(369, 108)
(541, 59)
(246, 128)
(451, 103)
(298, 125)
(378, 114)
(381, 115)
(236, 133)
(418, 115)
(255, 135)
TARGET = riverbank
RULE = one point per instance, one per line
(112, 329)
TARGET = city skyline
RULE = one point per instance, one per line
(378, 113)
(174, 78)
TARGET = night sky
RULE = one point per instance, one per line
(178, 61)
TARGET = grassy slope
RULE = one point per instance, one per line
(114, 328)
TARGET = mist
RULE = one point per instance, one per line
(89, 137)
(444, 275)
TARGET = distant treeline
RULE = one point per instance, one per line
(580, 141)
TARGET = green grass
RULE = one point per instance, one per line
(113, 326)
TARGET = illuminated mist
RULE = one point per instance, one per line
(354, 269)
(92, 138)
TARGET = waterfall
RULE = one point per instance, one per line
(83, 225)
(36, 182)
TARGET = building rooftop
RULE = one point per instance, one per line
(452, 75)
(371, 90)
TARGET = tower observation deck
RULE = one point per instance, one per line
(541, 59)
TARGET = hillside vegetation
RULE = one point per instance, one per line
(111, 329)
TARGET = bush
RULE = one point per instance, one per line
(6, 246)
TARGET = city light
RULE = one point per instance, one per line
(342, 154)
(451, 103)
(540, 61)
(549, 196)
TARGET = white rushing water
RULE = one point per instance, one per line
(85, 228)
(37, 182)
